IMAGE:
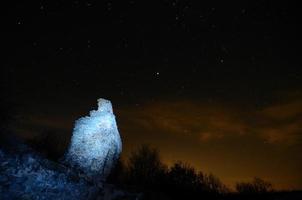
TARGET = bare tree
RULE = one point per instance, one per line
(145, 166)
(257, 186)
(214, 184)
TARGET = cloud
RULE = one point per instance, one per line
(284, 111)
(282, 122)
(195, 119)
(289, 133)
(278, 123)
(274, 124)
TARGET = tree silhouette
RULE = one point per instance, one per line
(257, 186)
(214, 185)
(182, 175)
(145, 167)
(184, 179)
(146, 171)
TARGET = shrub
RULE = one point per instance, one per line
(145, 167)
(257, 186)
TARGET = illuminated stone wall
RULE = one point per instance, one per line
(95, 144)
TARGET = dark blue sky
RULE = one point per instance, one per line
(227, 72)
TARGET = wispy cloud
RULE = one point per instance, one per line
(282, 122)
(279, 123)
(276, 123)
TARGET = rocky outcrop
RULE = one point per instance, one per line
(95, 144)
(27, 175)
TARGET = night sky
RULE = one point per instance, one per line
(218, 85)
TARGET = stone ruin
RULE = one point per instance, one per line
(96, 143)
(94, 148)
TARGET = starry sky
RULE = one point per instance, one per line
(214, 84)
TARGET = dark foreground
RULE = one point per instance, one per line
(25, 174)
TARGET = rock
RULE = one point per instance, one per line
(95, 144)
(29, 176)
